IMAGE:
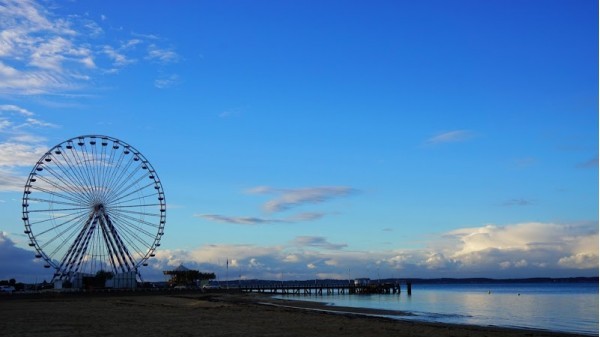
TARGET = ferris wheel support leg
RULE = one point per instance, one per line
(113, 247)
(137, 272)
(69, 257)
(120, 244)
(109, 247)
(83, 250)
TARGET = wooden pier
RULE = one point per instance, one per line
(326, 289)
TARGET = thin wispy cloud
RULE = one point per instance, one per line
(14, 119)
(246, 220)
(166, 82)
(240, 220)
(518, 202)
(450, 137)
(290, 198)
(285, 200)
(318, 242)
(592, 163)
(162, 55)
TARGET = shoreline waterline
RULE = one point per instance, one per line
(541, 307)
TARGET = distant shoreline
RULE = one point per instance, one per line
(481, 280)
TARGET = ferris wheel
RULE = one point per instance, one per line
(93, 203)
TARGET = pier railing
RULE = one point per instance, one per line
(326, 289)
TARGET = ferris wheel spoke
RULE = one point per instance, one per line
(71, 194)
(97, 163)
(41, 189)
(145, 187)
(131, 223)
(141, 197)
(106, 168)
(138, 213)
(118, 207)
(67, 188)
(71, 172)
(81, 166)
(121, 176)
(130, 215)
(53, 201)
(74, 165)
(114, 172)
(133, 238)
(122, 188)
(34, 223)
(139, 252)
(56, 210)
(87, 165)
(65, 238)
(63, 227)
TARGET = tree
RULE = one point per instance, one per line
(102, 276)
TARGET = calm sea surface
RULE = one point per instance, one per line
(565, 307)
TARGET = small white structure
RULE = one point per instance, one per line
(362, 281)
(126, 280)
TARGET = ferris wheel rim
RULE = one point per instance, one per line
(101, 213)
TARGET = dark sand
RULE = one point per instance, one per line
(214, 314)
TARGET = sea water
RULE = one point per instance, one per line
(562, 307)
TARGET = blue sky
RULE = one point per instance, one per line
(310, 139)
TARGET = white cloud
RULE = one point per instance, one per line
(580, 261)
(19, 149)
(511, 251)
(35, 49)
(41, 53)
(11, 181)
(17, 109)
(520, 250)
(15, 154)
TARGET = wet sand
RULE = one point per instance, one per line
(212, 314)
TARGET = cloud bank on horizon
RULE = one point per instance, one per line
(49, 61)
(513, 251)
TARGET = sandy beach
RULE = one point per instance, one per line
(213, 314)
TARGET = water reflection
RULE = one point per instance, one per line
(559, 308)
